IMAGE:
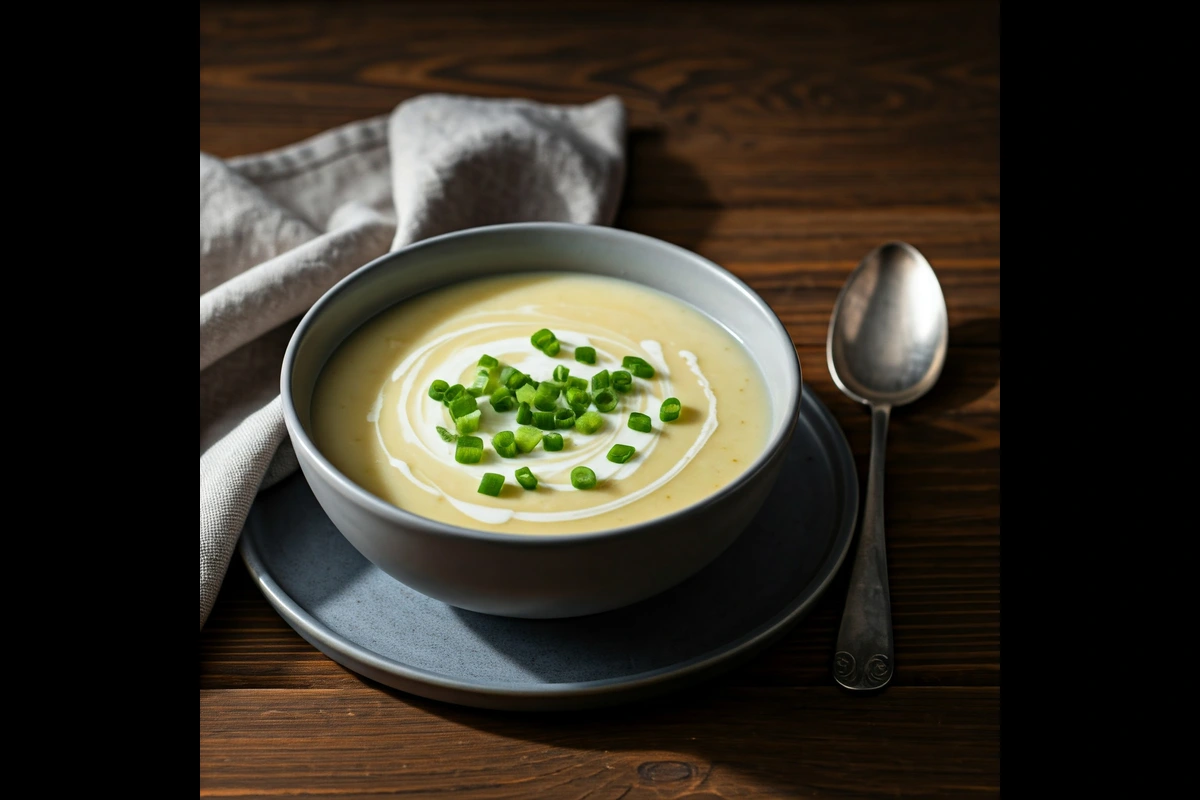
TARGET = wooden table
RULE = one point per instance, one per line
(783, 141)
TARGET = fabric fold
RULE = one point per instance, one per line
(278, 229)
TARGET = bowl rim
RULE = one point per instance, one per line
(351, 491)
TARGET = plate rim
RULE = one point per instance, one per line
(580, 694)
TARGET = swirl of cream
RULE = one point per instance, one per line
(418, 418)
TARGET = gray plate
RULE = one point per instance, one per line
(372, 624)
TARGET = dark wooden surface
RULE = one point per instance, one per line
(784, 141)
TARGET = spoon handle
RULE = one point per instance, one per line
(864, 644)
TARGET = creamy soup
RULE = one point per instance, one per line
(374, 418)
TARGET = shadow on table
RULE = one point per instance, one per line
(966, 377)
(664, 196)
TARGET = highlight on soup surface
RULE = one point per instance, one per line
(541, 404)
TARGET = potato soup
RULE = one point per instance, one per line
(541, 404)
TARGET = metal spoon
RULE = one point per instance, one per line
(886, 346)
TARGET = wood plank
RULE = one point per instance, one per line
(720, 115)
(731, 742)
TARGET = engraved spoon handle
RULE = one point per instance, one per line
(864, 645)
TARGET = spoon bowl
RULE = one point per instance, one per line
(886, 347)
(889, 332)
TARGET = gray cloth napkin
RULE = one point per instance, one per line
(278, 229)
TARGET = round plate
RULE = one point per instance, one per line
(371, 623)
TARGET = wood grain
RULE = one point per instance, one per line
(783, 140)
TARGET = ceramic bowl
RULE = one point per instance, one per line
(545, 575)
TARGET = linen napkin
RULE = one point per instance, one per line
(278, 229)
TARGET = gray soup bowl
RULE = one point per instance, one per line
(540, 575)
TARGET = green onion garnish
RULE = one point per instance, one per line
(527, 479)
(589, 422)
(622, 381)
(546, 396)
(620, 453)
(505, 374)
(487, 361)
(483, 377)
(446, 435)
(564, 418)
(502, 399)
(524, 414)
(585, 355)
(600, 380)
(552, 348)
(605, 399)
(516, 380)
(579, 397)
(552, 442)
(561, 373)
(542, 338)
(469, 450)
(468, 423)
(639, 422)
(577, 383)
(463, 405)
(491, 484)
(437, 390)
(453, 393)
(505, 444)
(526, 394)
(543, 420)
(670, 409)
(637, 366)
(583, 478)
(528, 438)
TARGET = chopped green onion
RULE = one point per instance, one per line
(446, 435)
(552, 442)
(577, 383)
(531, 383)
(552, 348)
(528, 438)
(546, 397)
(469, 450)
(579, 397)
(463, 406)
(516, 380)
(638, 366)
(583, 478)
(585, 355)
(561, 373)
(526, 394)
(483, 377)
(600, 380)
(527, 479)
(543, 420)
(589, 422)
(453, 393)
(502, 399)
(620, 453)
(491, 484)
(543, 338)
(639, 422)
(487, 361)
(437, 390)
(505, 444)
(670, 410)
(605, 399)
(468, 423)
(505, 373)
(524, 414)
(622, 381)
(564, 418)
